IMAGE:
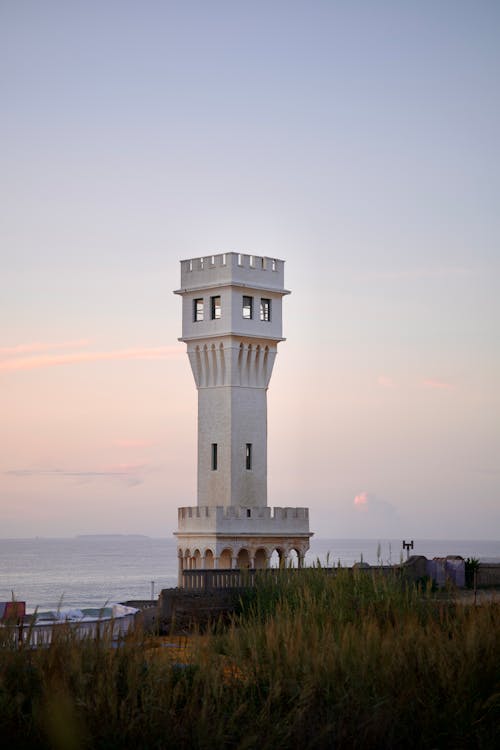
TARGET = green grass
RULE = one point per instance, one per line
(351, 661)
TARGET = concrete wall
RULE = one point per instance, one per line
(488, 574)
(147, 616)
(445, 570)
(181, 610)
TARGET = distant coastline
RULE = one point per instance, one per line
(112, 536)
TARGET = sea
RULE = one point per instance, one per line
(99, 570)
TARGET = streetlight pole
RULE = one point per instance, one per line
(407, 546)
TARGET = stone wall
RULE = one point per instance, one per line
(415, 568)
(180, 610)
(147, 617)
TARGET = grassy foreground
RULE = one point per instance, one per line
(314, 662)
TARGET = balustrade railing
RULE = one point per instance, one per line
(205, 580)
(36, 634)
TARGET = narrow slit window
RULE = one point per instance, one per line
(273, 264)
(215, 308)
(249, 513)
(247, 307)
(198, 309)
(248, 456)
(265, 309)
(214, 456)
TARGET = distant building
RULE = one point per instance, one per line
(232, 323)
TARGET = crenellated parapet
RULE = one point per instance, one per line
(232, 268)
(243, 520)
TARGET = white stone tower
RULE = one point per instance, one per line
(232, 323)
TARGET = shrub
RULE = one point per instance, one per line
(312, 660)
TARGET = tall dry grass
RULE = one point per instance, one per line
(313, 661)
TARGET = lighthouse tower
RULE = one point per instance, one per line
(232, 323)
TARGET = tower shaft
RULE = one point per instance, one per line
(232, 446)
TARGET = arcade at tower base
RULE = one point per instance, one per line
(229, 538)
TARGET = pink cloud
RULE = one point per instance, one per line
(374, 507)
(361, 500)
(124, 443)
(432, 383)
(51, 360)
(385, 381)
(42, 346)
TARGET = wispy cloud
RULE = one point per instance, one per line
(385, 382)
(131, 474)
(52, 360)
(421, 273)
(126, 467)
(433, 383)
(42, 346)
(126, 443)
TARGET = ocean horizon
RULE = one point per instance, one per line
(93, 570)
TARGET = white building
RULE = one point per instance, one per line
(232, 323)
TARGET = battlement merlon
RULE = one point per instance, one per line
(232, 269)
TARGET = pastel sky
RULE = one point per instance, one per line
(359, 141)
